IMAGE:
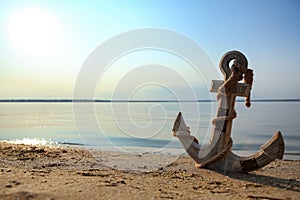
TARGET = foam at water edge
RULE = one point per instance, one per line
(35, 141)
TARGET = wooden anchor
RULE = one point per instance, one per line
(217, 154)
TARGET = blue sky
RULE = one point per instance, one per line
(40, 57)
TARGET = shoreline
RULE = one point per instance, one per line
(41, 172)
(288, 155)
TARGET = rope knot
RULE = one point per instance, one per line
(249, 80)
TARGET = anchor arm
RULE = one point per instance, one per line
(181, 130)
(271, 150)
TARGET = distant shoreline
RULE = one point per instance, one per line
(129, 101)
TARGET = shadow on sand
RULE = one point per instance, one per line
(288, 184)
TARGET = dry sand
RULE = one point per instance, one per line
(30, 172)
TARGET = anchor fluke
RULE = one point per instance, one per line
(183, 132)
(179, 123)
(274, 148)
(271, 150)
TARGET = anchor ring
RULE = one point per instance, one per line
(229, 56)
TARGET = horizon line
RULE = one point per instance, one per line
(131, 101)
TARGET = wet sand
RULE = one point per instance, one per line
(35, 172)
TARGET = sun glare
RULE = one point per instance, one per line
(35, 31)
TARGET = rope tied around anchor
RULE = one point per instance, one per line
(229, 85)
(227, 88)
(249, 80)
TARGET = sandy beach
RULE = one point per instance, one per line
(39, 172)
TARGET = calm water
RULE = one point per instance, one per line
(146, 127)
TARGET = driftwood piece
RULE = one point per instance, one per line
(217, 154)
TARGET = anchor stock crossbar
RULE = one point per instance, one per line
(217, 154)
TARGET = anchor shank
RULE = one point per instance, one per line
(227, 124)
(226, 95)
(223, 127)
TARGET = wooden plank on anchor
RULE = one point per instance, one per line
(242, 89)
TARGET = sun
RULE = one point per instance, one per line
(35, 31)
